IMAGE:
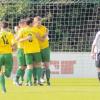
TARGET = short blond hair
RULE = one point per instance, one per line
(37, 18)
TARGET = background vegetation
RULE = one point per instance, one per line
(72, 26)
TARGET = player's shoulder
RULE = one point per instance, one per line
(7, 32)
(42, 26)
(98, 33)
(10, 34)
(28, 28)
(20, 30)
(24, 30)
(34, 29)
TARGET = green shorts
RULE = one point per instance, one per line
(21, 57)
(45, 54)
(33, 58)
(7, 61)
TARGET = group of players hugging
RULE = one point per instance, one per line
(33, 53)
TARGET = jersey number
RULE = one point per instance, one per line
(5, 40)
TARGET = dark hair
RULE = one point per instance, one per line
(4, 24)
(29, 21)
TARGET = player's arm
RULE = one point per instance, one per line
(20, 37)
(46, 34)
(16, 28)
(48, 17)
(13, 42)
(43, 37)
(25, 39)
(93, 54)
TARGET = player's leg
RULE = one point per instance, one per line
(46, 64)
(46, 59)
(29, 70)
(37, 60)
(98, 65)
(20, 74)
(35, 74)
(43, 73)
(98, 73)
(2, 78)
(22, 66)
(2, 81)
(8, 64)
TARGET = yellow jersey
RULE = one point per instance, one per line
(42, 31)
(20, 44)
(6, 41)
(30, 46)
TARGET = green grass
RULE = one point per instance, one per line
(61, 89)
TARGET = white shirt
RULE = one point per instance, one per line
(96, 42)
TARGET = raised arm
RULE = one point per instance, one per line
(93, 54)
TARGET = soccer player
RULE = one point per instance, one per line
(20, 56)
(42, 35)
(95, 52)
(32, 52)
(6, 59)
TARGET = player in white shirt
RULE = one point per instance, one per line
(95, 52)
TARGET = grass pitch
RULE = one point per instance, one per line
(61, 89)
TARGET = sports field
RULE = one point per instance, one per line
(61, 89)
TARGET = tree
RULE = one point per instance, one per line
(10, 9)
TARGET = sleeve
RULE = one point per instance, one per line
(19, 34)
(47, 31)
(12, 38)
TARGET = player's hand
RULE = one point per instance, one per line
(14, 47)
(16, 28)
(37, 35)
(29, 37)
(93, 55)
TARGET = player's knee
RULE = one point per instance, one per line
(37, 64)
(7, 74)
(46, 65)
(23, 68)
(30, 66)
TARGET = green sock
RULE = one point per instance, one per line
(18, 74)
(35, 74)
(22, 76)
(29, 75)
(7, 72)
(43, 72)
(2, 82)
(39, 71)
(48, 74)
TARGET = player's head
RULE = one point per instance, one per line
(0, 25)
(37, 20)
(21, 23)
(29, 21)
(4, 25)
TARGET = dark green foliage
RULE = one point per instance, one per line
(72, 26)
